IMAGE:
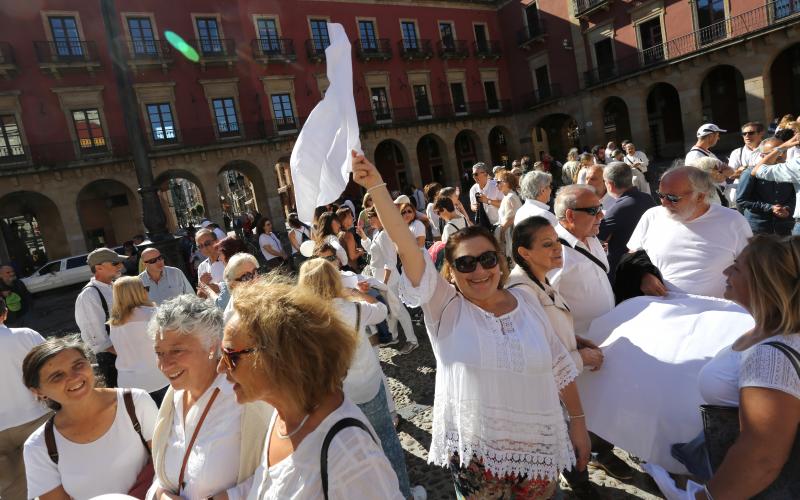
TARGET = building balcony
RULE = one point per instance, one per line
(374, 50)
(315, 50)
(585, 8)
(544, 94)
(415, 49)
(149, 54)
(453, 49)
(269, 50)
(407, 116)
(67, 55)
(8, 65)
(13, 154)
(215, 52)
(531, 34)
(490, 49)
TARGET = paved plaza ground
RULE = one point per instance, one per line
(411, 380)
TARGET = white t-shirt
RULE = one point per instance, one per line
(18, 406)
(695, 154)
(434, 220)
(220, 234)
(364, 376)
(417, 228)
(217, 270)
(137, 365)
(692, 255)
(298, 236)
(451, 226)
(271, 241)
(357, 466)
(533, 208)
(493, 193)
(383, 255)
(110, 464)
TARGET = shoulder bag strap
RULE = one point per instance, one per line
(699, 150)
(326, 443)
(181, 485)
(50, 440)
(104, 304)
(790, 353)
(358, 317)
(127, 396)
(586, 254)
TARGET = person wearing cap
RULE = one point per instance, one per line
(788, 171)
(92, 309)
(162, 282)
(707, 138)
(485, 192)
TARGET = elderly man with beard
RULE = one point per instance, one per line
(689, 240)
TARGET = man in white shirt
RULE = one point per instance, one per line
(744, 157)
(583, 279)
(20, 412)
(210, 272)
(485, 192)
(535, 188)
(92, 308)
(161, 281)
(594, 178)
(690, 240)
(707, 138)
(636, 159)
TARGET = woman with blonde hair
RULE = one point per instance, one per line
(364, 381)
(137, 365)
(286, 347)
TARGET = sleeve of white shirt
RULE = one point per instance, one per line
(372, 314)
(90, 323)
(781, 172)
(418, 229)
(734, 160)
(434, 219)
(146, 412)
(472, 192)
(41, 473)
(341, 253)
(433, 293)
(644, 160)
(636, 241)
(386, 246)
(242, 490)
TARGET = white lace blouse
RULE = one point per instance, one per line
(497, 381)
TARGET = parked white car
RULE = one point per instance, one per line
(59, 273)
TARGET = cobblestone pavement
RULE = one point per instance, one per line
(411, 380)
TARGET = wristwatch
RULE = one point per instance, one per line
(781, 149)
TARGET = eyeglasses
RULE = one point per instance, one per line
(407, 212)
(154, 260)
(672, 198)
(231, 358)
(249, 276)
(112, 263)
(468, 263)
(593, 211)
(476, 174)
(749, 133)
(206, 244)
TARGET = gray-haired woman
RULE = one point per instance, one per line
(204, 442)
(242, 268)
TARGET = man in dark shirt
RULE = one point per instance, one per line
(16, 295)
(621, 219)
(767, 205)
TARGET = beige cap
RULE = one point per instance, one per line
(104, 255)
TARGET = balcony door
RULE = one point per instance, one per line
(650, 35)
(710, 14)
(66, 38)
(604, 57)
(543, 81)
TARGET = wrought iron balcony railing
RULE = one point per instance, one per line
(274, 49)
(374, 49)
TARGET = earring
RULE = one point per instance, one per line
(211, 355)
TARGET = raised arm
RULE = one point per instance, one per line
(794, 141)
(366, 175)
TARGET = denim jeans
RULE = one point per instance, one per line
(377, 412)
(796, 230)
(384, 335)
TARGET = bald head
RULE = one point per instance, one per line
(150, 253)
(153, 262)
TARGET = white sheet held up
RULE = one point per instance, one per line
(645, 396)
(321, 156)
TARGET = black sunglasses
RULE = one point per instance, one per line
(231, 358)
(407, 212)
(468, 263)
(593, 211)
(748, 133)
(154, 260)
(672, 198)
(249, 276)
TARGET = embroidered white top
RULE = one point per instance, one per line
(497, 381)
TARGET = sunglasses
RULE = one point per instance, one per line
(248, 276)
(476, 174)
(672, 198)
(406, 212)
(206, 244)
(468, 263)
(231, 358)
(154, 260)
(593, 211)
(749, 133)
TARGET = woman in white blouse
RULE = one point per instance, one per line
(286, 347)
(98, 450)
(508, 184)
(136, 362)
(328, 228)
(270, 245)
(758, 378)
(298, 233)
(416, 227)
(204, 444)
(497, 420)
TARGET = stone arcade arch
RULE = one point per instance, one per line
(391, 159)
(469, 151)
(785, 80)
(725, 103)
(433, 161)
(31, 230)
(499, 139)
(240, 187)
(181, 192)
(665, 122)
(560, 134)
(616, 121)
(109, 213)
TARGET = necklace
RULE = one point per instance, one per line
(295, 431)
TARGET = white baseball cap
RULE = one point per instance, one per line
(402, 199)
(708, 128)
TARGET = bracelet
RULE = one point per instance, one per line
(573, 417)
(708, 493)
(383, 184)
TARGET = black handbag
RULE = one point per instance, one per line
(721, 429)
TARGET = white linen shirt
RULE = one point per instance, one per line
(383, 255)
(497, 381)
(434, 219)
(533, 208)
(364, 376)
(172, 283)
(137, 365)
(493, 193)
(271, 241)
(91, 318)
(357, 466)
(417, 228)
(217, 270)
(213, 464)
(109, 464)
(637, 157)
(509, 206)
(19, 405)
(582, 283)
(692, 255)
(784, 172)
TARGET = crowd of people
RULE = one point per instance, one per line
(257, 375)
